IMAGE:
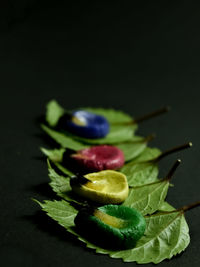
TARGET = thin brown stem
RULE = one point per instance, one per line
(145, 117)
(172, 170)
(173, 150)
(152, 114)
(191, 206)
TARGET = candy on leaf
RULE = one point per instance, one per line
(85, 124)
(107, 187)
(113, 226)
(98, 158)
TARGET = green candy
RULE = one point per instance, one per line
(113, 226)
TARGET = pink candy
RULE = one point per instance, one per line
(98, 158)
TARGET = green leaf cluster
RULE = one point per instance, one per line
(167, 232)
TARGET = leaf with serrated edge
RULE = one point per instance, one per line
(140, 170)
(117, 133)
(147, 198)
(130, 149)
(166, 234)
(63, 140)
(140, 173)
(53, 112)
(137, 173)
(61, 211)
(60, 184)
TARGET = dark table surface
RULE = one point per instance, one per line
(135, 57)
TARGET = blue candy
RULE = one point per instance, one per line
(88, 125)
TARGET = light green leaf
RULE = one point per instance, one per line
(132, 149)
(63, 140)
(141, 170)
(165, 206)
(117, 134)
(148, 154)
(53, 113)
(55, 155)
(59, 184)
(166, 234)
(140, 173)
(147, 198)
(112, 115)
(61, 211)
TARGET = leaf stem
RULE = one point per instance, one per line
(145, 117)
(191, 206)
(151, 115)
(172, 170)
(173, 150)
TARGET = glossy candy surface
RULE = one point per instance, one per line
(118, 227)
(98, 158)
(87, 124)
(106, 187)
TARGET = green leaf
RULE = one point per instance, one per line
(166, 234)
(117, 134)
(113, 116)
(61, 211)
(140, 173)
(148, 154)
(142, 170)
(60, 184)
(132, 149)
(55, 155)
(53, 113)
(165, 206)
(147, 198)
(63, 140)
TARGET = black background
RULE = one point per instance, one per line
(134, 56)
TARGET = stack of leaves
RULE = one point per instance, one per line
(167, 232)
